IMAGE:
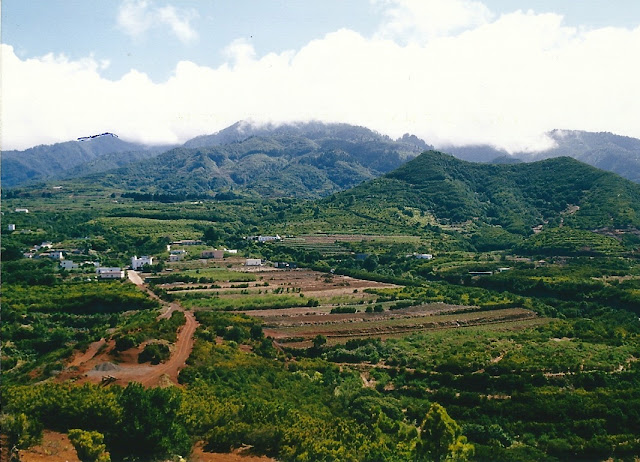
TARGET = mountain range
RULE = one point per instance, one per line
(71, 159)
(310, 159)
(305, 160)
(614, 153)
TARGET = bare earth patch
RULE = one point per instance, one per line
(239, 455)
(55, 447)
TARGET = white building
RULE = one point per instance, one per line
(110, 273)
(176, 257)
(20, 210)
(215, 253)
(56, 255)
(11, 227)
(68, 265)
(268, 238)
(253, 262)
(138, 263)
(231, 251)
(424, 256)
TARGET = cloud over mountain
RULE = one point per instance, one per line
(478, 79)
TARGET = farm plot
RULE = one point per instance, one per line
(278, 289)
(296, 329)
(329, 244)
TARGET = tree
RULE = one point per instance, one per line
(151, 424)
(89, 446)
(319, 341)
(20, 430)
(441, 438)
(370, 263)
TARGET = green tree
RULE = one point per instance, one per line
(441, 438)
(89, 446)
(319, 341)
(21, 431)
(151, 424)
(370, 263)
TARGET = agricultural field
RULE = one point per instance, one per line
(358, 333)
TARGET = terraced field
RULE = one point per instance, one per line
(296, 329)
(329, 244)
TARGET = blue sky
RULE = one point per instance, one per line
(451, 71)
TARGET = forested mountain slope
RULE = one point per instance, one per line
(317, 161)
(72, 158)
(514, 197)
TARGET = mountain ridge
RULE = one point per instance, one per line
(49, 162)
(605, 150)
(333, 157)
(332, 145)
(510, 201)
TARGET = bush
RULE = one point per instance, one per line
(89, 446)
(343, 309)
(126, 342)
(155, 353)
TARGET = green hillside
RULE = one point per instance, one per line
(498, 204)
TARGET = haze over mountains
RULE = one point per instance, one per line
(307, 160)
(310, 159)
(618, 154)
(71, 159)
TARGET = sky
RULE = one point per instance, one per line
(453, 72)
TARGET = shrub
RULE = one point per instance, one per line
(154, 352)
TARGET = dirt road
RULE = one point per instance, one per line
(178, 359)
(96, 362)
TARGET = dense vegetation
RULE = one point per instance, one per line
(563, 386)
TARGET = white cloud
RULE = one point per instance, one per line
(239, 51)
(422, 20)
(180, 22)
(135, 17)
(503, 82)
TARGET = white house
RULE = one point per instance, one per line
(11, 227)
(268, 238)
(68, 265)
(231, 251)
(110, 273)
(56, 255)
(424, 256)
(176, 257)
(138, 263)
(188, 242)
(20, 210)
(218, 254)
(253, 262)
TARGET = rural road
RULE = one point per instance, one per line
(129, 370)
(135, 278)
(183, 345)
(178, 359)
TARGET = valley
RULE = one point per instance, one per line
(295, 328)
